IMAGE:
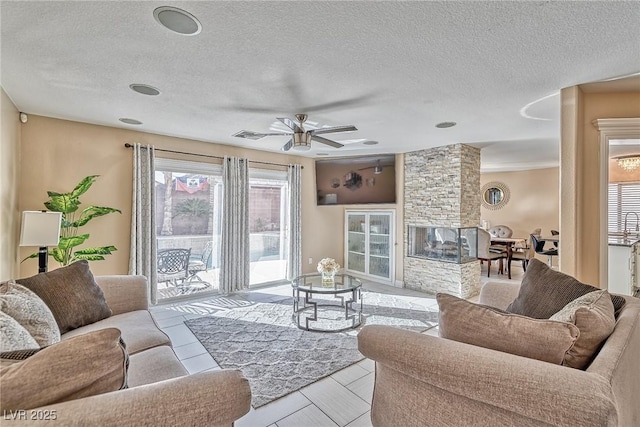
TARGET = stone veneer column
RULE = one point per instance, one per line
(442, 188)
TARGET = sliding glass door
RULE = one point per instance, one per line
(267, 226)
(188, 220)
(188, 200)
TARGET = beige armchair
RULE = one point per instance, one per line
(422, 380)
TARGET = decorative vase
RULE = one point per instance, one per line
(328, 278)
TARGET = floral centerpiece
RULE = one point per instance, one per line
(328, 267)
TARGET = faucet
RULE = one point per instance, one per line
(625, 223)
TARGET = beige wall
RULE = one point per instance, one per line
(9, 159)
(534, 201)
(580, 174)
(57, 154)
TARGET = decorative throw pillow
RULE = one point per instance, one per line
(30, 311)
(81, 366)
(483, 326)
(72, 295)
(593, 315)
(13, 336)
(544, 292)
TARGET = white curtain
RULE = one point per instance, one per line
(294, 179)
(142, 258)
(235, 263)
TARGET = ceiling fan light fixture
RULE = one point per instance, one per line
(177, 20)
(377, 170)
(629, 163)
(301, 141)
(301, 147)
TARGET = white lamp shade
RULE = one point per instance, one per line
(40, 228)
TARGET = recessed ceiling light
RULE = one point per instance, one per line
(144, 89)
(445, 125)
(322, 154)
(130, 121)
(370, 143)
(177, 20)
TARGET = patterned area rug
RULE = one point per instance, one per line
(278, 358)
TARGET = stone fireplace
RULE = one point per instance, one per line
(441, 189)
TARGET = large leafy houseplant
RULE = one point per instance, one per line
(72, 220)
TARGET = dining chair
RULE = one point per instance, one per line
(501, 231)
(538, 245)
(484, 242)
(526, 253)
(555, 233)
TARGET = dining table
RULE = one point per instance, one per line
(509, 243)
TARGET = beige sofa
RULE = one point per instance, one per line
(160, 390)
(422, 380)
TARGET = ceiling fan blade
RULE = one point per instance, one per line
(326, 141)
(247, 134)
(347, 128)
(290, 123)
(288, 145)
(370, 167)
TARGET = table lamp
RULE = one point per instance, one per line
(42, 229)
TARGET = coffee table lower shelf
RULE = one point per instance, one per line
(304, 303)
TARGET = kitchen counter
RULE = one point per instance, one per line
(621, 241)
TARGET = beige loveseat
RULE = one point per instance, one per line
(160, 390)
(422, 380)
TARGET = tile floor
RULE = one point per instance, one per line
(342, 399)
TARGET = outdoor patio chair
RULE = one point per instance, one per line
(173, 266)
(201, 264)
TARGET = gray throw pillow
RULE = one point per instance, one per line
(544, 292)
(13, 336)
(593, 315)
(30, 311)
(72, 295)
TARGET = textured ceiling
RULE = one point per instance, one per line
(495, 68)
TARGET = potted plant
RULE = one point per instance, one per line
(72, 220)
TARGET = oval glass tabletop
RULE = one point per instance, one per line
(313, 283)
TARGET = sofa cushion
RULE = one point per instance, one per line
(30, 311)
(593, 315)
(153, 365)
(544, 292)
(13, 336)
(83, 366)
(71, 293)
(139, 330)
(488, 327)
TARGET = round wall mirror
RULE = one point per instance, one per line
(495, 195)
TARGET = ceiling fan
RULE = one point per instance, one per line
(377, 169)
(300, 138)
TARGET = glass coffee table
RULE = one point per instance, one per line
(342, 296)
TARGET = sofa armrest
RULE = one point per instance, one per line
(498, 295)
(125, 293)
(212, 398)
(542, 391)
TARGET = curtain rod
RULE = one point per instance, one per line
(127, 145)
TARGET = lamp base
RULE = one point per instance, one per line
(43, 256)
